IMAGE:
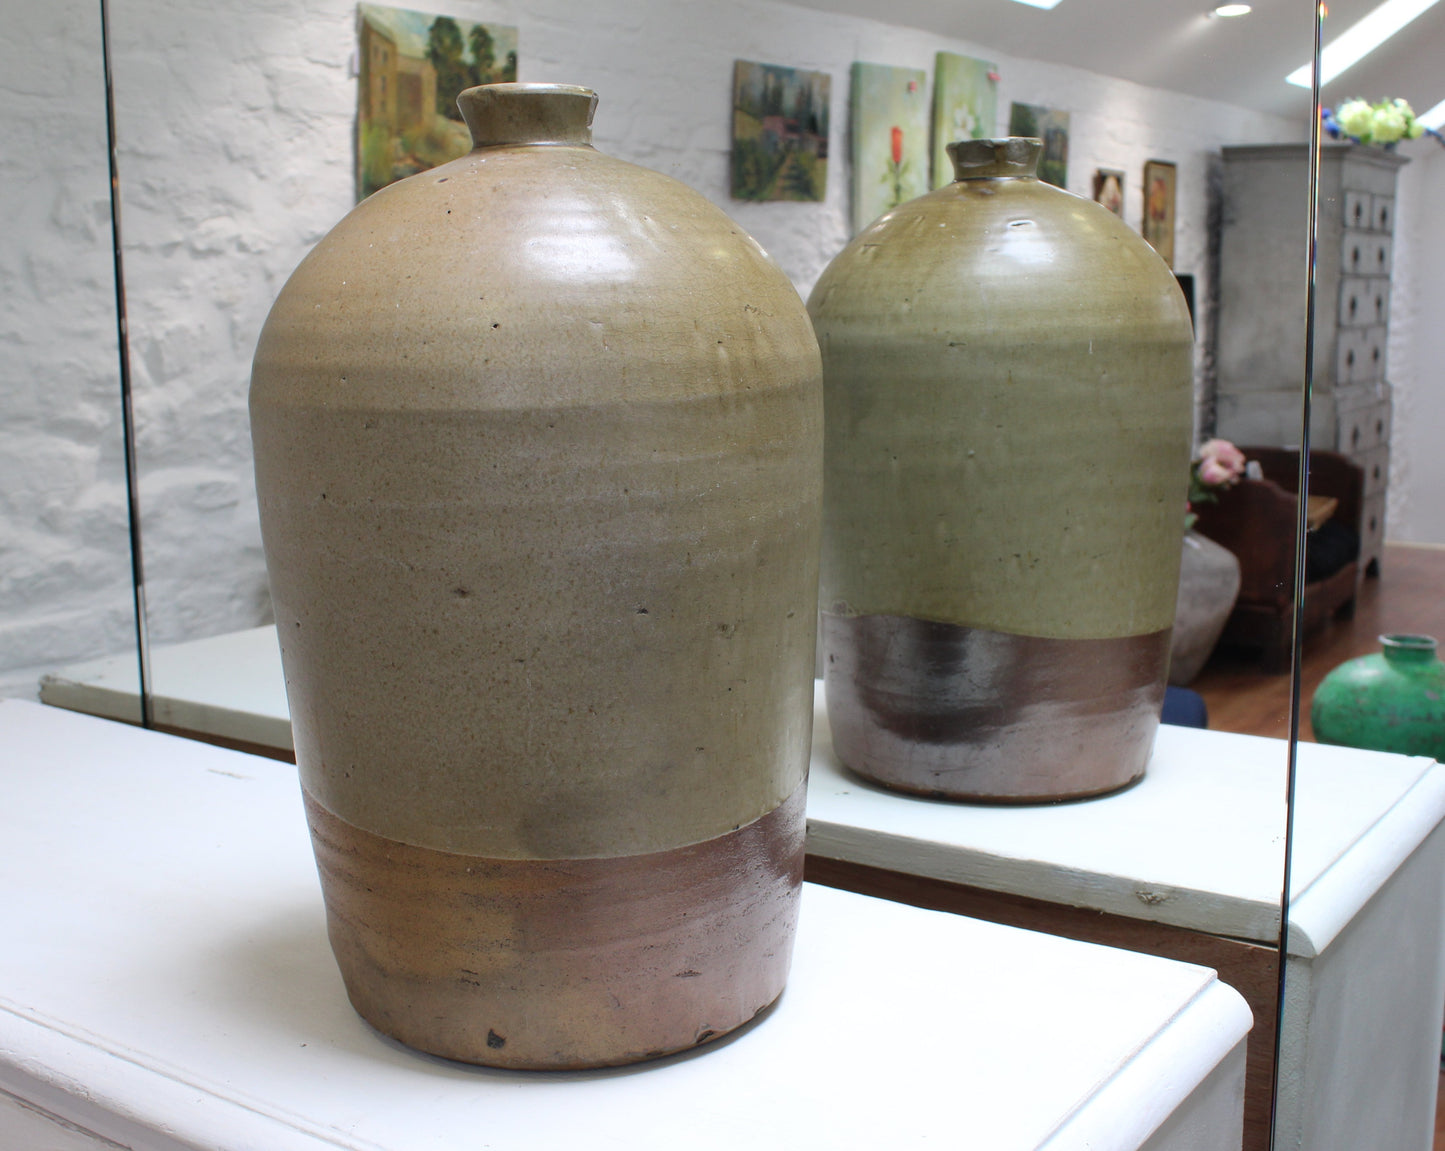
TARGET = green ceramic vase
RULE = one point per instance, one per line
(1391, 701)
(1007, 411)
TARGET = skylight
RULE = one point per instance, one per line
(1435, 118)
(1360, 40)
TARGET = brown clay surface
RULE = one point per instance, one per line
(967, 713)
(562, 963)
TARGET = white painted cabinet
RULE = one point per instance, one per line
(165, 983)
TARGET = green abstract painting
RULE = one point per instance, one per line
(965, 107)
(1052, 127)
(780, 133)
(890, 139)
(413, 66)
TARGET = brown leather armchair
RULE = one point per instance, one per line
(1256, 520)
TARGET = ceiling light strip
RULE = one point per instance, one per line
(1435, 118)
(1360, 40)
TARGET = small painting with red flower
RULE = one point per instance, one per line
(890, 139)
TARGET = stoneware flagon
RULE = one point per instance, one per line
(1007, 380)
(538, 441)
(1393, 700)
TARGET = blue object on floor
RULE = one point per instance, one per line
(1184, 708)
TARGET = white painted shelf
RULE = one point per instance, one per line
(1198, 843)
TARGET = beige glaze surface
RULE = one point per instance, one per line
(1008, 415)
(538, 444)
(562, 963)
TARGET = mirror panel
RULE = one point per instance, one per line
(66, 596)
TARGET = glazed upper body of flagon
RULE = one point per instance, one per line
(1021, 479)
(491, 391)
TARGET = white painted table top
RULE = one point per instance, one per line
(166, 980)
(1198, 843)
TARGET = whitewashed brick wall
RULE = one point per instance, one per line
(236, 126)
(64, 563)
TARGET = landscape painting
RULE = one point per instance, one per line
(1052, 127)
(965, 107)
(890, 139)
(413, 66)
(780, 133)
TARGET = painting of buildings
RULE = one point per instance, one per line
(413, 66)
(780, 133)
(1052, 127)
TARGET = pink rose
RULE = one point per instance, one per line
(1224, 454)
(1214, 473)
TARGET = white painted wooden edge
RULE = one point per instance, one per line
(1118, 895)
(88, 699)
(229, 685)
(102, 1087)
(26, 1127)
(266, 730)
(108, 703)
(1147, 1090)
(1320, 912)
(111, 703)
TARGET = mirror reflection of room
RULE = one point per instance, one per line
(242, 138)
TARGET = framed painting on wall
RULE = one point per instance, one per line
(413, 66)
(780, 132)
(1160, 178)
(890, 139)
(1109, 189)
(965, 107)
(1052, 127)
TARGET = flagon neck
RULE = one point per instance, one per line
(1013, 156)
(528, 114)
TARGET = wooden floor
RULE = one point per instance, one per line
(1440, 1115)
(1408, 596)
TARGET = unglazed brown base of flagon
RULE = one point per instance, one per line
(964, 713)
(565, 963)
